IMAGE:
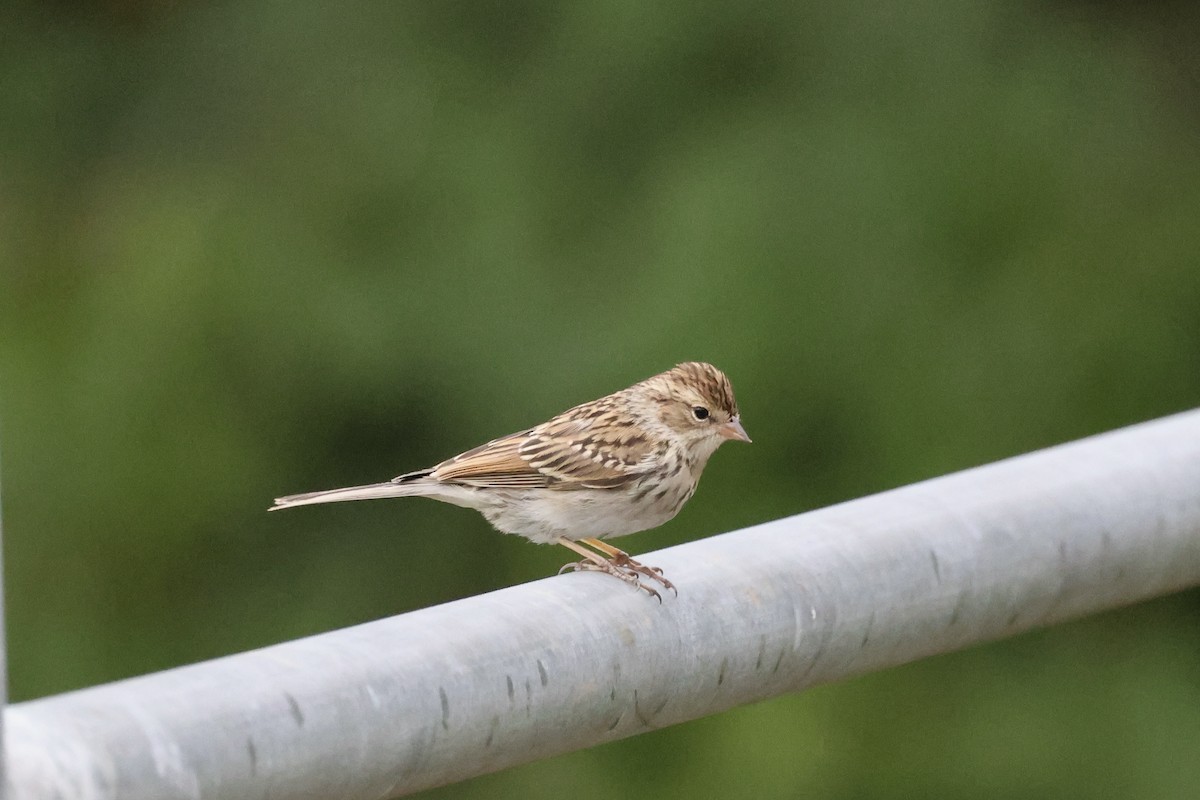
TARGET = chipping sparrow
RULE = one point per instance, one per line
(621, 464)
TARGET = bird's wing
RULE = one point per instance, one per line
(495, 465)
(575, 450)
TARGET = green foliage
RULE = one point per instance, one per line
(254, 248)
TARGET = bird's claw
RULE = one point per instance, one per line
(625, 569)
(623, 561)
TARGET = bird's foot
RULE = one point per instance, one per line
(625, 572)
(623, 561)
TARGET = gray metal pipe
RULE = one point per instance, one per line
(487, 682)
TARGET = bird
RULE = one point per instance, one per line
(623, 463)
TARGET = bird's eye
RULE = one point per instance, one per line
(699, 412)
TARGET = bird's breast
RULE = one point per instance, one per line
(545, 514)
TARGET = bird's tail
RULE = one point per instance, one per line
(371, 491)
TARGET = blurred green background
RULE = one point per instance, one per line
(255, 248)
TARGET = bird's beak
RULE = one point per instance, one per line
(734, 430)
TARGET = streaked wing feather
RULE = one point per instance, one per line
(588, 447)
(497, 464)
(568, 466)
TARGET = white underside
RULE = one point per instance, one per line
(543, 515)
(540, 515)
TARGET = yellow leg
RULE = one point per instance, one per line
(588, 554)
(604, 547)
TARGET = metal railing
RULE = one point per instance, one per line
(487, 682)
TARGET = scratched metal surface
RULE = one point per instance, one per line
(484, 683)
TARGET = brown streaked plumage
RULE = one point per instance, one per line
(621, 464)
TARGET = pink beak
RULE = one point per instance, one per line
(734, 430)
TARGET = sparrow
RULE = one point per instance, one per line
(621, 464)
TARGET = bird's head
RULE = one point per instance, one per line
(693, 405)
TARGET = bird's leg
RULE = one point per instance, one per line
(623, 560)
(594, 562)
